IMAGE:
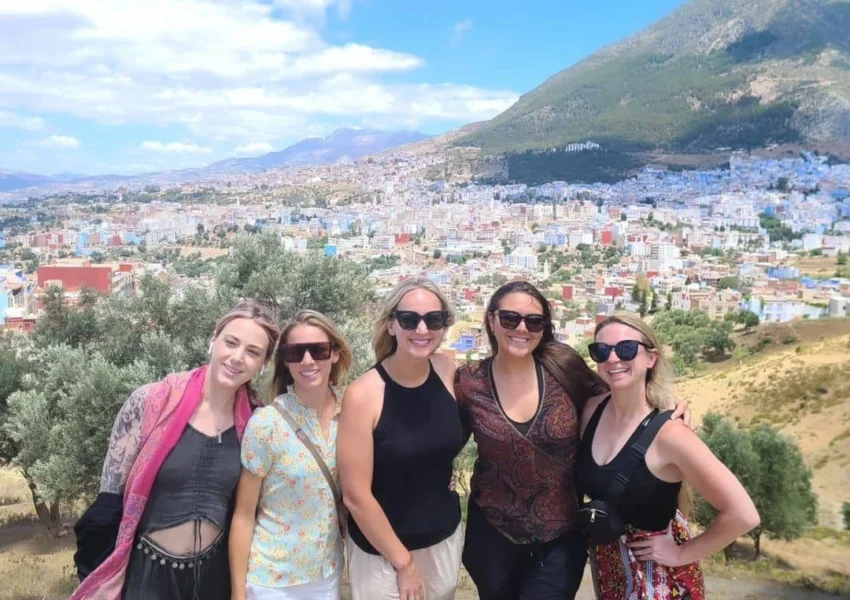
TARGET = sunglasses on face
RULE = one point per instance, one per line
(625, 350)
(409, 319)
(534, 323)
(294, 353)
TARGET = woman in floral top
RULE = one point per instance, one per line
(285, 541)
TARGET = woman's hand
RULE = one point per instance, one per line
(410, 586)
(683, 411)
(663, 549)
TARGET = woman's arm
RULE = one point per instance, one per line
(355, 456)
(242, 531)
(682, 449)
(124, 442)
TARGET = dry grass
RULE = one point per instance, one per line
(31, 567)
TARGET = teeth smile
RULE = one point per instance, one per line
(616, 371)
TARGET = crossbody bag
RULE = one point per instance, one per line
(600, 518)
(308, 443)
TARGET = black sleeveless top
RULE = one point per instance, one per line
(648, 504)
(417, 438)
(196, 482)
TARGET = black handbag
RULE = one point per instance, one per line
(599, 517)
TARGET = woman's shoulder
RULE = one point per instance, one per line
(472, 370)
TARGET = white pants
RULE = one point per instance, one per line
(373, 577)
(323, 589)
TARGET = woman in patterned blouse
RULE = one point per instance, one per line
(522, 405)
(285, 541)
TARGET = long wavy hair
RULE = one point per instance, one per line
(659, 381)
(282, 376)
(385, 344)
(561, 360)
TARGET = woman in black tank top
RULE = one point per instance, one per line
(399, 433)
(657, 557)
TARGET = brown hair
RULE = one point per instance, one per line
(385, 344)
(659, 381)
(262, 316)
(282, 377)
(561, 360)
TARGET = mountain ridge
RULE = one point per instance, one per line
(343, 143)
(713, 73)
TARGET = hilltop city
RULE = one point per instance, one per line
(722, 241)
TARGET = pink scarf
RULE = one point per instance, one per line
(169, 406)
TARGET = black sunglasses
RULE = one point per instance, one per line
(625, 350)
(409, 319)
(294, 353)
(509, 319)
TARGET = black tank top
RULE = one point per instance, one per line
(648, 504)
(417, 438)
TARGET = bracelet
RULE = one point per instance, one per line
(406, 566)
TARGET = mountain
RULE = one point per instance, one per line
(342, 143)
(714, 73)
(14, 180)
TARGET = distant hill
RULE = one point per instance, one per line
(14, 180)
(341, 144)
(714, 73)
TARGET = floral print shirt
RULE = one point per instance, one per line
(296, 536)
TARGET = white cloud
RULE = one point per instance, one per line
(60, 141)
(458, 29)
(176, 147)
(13, 121)
(254, 148)
(221, 70)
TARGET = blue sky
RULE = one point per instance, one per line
(129, 86)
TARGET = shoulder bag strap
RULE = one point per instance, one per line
(637, 451)
(302, 435)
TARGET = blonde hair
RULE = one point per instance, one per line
(261, 315)
(282, 377)
(659, 382)
(385, 344)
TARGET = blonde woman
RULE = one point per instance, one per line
(158, 529)
(399, 433)
(629, 433)
(285, 541)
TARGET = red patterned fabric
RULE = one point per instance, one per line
(168, 408)
(618, 575)
(524, 485)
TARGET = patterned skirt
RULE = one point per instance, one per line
(618, 575)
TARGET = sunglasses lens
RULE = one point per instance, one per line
(599, 352)
(435, 320)
(509, 320)
(293, 353)
(627, 349)
(408, 320)
(535, 323)
(320, 351)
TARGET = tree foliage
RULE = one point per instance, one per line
(771, 468)
(61, 387)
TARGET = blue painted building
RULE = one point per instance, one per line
(331, 250)
(465, 343)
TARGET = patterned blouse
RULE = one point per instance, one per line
(296, 536)
(523, 484)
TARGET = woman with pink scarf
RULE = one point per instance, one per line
(158, 529)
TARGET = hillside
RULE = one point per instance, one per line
(714, 73)
(799, 383)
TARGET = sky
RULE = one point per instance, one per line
(131, 86)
